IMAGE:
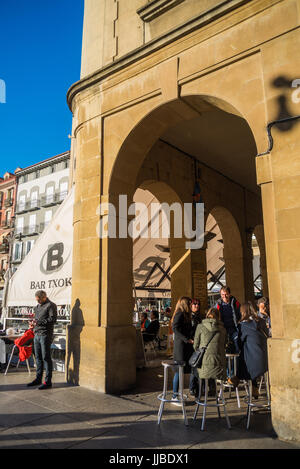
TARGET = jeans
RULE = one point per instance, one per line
(42, 351)
(175, 384)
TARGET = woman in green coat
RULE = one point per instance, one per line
(214, 360)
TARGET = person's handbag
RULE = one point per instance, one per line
(196, 359)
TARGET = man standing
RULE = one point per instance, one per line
(45, 318)
(230, 315)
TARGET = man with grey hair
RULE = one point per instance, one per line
(43, 324)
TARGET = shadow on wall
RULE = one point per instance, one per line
(74, 347)
(286, 86)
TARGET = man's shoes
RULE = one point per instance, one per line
(35, 382)
(45, 386)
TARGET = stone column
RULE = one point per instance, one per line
(199, 276)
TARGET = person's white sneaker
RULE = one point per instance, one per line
(175, 401)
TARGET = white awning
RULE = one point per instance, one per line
(48, 266)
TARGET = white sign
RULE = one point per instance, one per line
(48, 266)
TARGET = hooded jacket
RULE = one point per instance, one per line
(214, 360)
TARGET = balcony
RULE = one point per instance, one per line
(53, 199)
(4, 248)
(29, 230)
(23, 207)
(8, 203)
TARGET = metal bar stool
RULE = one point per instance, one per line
(10, 358)
(232, 360)
(163, 397)
(251, 405)
(220, 402)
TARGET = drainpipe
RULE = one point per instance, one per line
(269, 127)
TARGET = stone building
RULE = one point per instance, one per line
(7, 212)
(174, 91)
(41, 188)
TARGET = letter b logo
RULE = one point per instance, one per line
(54, 257)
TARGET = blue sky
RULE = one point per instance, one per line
(40, 55)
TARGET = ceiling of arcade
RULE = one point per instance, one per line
(220, 140)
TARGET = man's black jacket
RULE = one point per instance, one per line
(45, 317)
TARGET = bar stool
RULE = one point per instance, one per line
(252, 405)
(163, 397)
(220, 402)
(232, 360)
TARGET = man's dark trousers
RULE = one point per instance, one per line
(42, 351)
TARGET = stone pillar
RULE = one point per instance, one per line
(199, 277)
(181, 273)
(281, 209)
(85, 359)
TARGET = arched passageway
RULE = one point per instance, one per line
(183, 145)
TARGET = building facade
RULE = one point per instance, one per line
(7, 212)
(41, 188)
(171, 91)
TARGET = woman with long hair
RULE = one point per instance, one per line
(253, 359)
(183, 342)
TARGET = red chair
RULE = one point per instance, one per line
(25, 346)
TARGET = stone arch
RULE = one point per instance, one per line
(149, 128)
(232, 251)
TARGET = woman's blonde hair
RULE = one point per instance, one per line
(184, 305)
(213, 313)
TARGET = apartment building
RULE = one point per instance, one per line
(41, 188)
(7, 209)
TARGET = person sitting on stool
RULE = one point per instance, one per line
(153, 328)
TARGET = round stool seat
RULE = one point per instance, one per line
(172, 363)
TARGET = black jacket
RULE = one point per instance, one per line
(183, 331)
(153, 327)
(45, 317)
(253, 360)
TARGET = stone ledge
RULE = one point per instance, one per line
(156, 8)
(205, 18)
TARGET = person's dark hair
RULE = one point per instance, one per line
(248, 312)
(155, 313)
(40, 294)
(144, 314)
(225, 288)
(265, 301)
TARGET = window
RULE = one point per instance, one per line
(48, 217)
(34, 199)
(20, 225)
(22, 202)
(63, 190)
(8, 216)
(29, 246)
(18, 252)
(49, 195)
(32, 223)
